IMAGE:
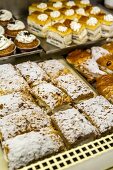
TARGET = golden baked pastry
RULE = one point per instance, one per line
(41, 7)
(109, 47)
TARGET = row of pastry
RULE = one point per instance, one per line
(66, 24)
(27, 133)
(14, 36)
(96, 64)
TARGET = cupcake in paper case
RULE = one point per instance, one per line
(7, 47)
(5, 17)
(2, 30)
(14, 27)
(25, 41)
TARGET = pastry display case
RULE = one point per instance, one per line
(54, 114)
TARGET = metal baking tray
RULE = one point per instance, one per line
(96, 155)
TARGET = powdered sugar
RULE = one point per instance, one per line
(73, 86)
(100, 111)
(73, 125)
(32, 146)
(23, 121)
(32, 72)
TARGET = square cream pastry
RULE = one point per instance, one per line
(59, 35)
(41, 7)
(93, 28)
(56, 16)
(79, 33)
(38, 24)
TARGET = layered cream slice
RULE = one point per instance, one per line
(107, 25)
(59, 35)
(79, 32)
(56, 16)
(41, 7)
(56, 5)
(70, 14)
(38, 24)
(93, 28)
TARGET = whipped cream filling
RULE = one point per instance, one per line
(5, 15)
(2, 31)
(57, 4)
(16, 25)
(85, 2)
(4, 42)
(81, 11)
(25, 37)
(70, 3)
(95, 10)
(92, 21)
(43, 17)
(55, 14)
(108, 17)
(69, 12)
(75, 26)
(62, 28)
(42, 5)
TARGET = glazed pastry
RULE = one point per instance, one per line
(82, 61)
(14, 27)
(32, 73)
(70, 4)
(95, 11)
(11, 80)
(7, 47)
(32, 147)
(22, 122)
(49, 96)
(59, 35)
(70, 14)
(54, 68)
(100, 113)
(83, 3)
(56, 16)
(79, 33)
(41, 7)
(2, 30)
(5, 17)
(74, 87)
(16, 102)
(93, 29)
(56, 5)
(108, 47)
(81, 12)
(26, 41)
(104, 86)
(107, 25)
(75, 129)
(38, 24)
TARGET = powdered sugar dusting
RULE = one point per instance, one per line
(15, 102)
(53, 68)
(51, 95)
(73, 125)
(23, 121)
(32, 146)
(98, 52)
(73, 86)
(100, 111)
(32, 72)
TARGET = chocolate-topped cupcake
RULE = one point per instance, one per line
(14, 27)
(26, 41)
(2, 30)
(7, 47)
(5, 17)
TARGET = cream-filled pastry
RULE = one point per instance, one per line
(2, 30)
(59, 35)
(83, 3)
(41, 7)
(81, 12)
(70, 14)
(79, 33)
(94, 29)
(107, 25)
(5, 17)
(70, 4)
(56, 16)
(56, 5)
(38, 24)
